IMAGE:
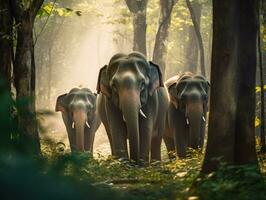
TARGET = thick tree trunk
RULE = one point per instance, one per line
(192, 50)
(196, 25)
(232, 104)
(160, 46)
(139, 8)
(24, 72)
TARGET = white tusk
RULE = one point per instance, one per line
(203, 118)
(73, 125)
(87, 124)
(124, 119)
(187, 121)
(142, 113)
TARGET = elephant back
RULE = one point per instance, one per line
(177, 78)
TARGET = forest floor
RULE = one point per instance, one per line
(178, 179)
(58, 174)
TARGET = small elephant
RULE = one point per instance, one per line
(133, 105)
(186, 113)
(78, 108)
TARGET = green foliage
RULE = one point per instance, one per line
(231, 182)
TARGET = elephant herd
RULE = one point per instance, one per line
(134, 104)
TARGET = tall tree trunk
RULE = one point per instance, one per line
(196, 25)
(6, 55)
(192, 49)
(232, 104)
(139, 9)
(24, 71)
(262, 94)
(160, 46)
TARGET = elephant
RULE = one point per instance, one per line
(185, 122)
(78, 108)
(132, 105)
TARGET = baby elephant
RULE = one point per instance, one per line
(186, 114)
(78, 108)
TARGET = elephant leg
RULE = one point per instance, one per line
(156, 148)
(145, 139)
(179, 128)
(180, 143)
(110, 139)
(170, 146)
(118, 131)
(89, 139)
(72, 140)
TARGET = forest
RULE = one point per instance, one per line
(133, 99)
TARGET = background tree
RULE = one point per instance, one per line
(261, 71)
(160, 46)
(195, 17)
(139, 9)
(232, 84)
(192, 50)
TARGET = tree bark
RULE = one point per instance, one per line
(160, 46)
(192, 50)
(231, 135)
(24, 71)
(196, 25)
(139, 8)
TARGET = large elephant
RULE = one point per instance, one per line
(78, 108)
(132, 105)
(186, 113)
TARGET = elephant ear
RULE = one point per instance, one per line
(173, 95)
(103, 83)
(155, 76)
(60, 105)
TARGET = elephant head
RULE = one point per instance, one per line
(78, 108)
(128, 81)
(189, 94)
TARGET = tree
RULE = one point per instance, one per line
(160, 46)
(139, 9)
(196, 24)
(262, 94)
(24, 14)
(231, 135)
(192, 50)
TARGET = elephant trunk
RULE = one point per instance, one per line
(79, 119)
(194, 117)
(130, 106)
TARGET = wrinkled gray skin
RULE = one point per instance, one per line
(133, 105)
(78, 108)
(186, 113)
